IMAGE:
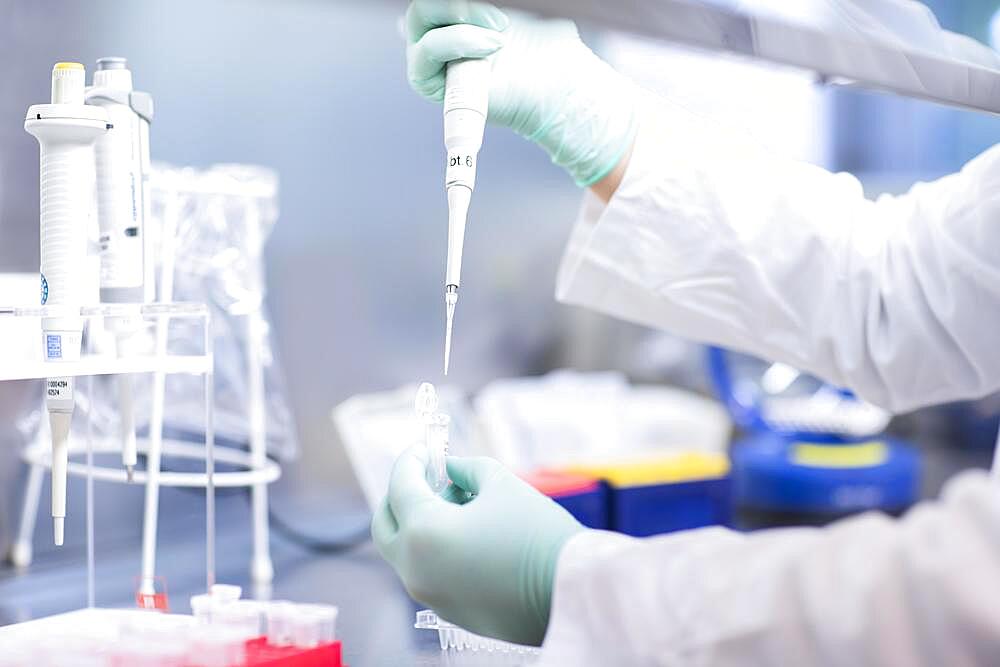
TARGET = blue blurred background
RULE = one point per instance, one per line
(317, 91)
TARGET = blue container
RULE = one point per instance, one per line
(770, 473)
(583, 496)
(589, 507)
(665, 508)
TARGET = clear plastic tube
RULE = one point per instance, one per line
(436, 441)
(425, 405)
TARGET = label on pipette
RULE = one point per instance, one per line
(461, 169)
(59, 388)
(59, 394)
(53, 346)
(61, 345)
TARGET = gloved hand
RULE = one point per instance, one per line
(483, 554)
(546, 84)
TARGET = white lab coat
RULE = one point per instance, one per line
(714, 239)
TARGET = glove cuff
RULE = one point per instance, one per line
(597, 124)
(540, 579)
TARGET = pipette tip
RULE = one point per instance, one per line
(450, 299)
(447, 345)
(58, 528)
(130, 473)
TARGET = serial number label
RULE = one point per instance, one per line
(57, 388)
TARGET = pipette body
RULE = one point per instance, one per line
(122, 159)
(466, 105)
(66, 130)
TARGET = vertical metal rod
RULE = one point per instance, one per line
(209, 459)
(91, 563)
(151, 513)
(261, 569)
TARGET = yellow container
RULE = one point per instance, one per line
(673, 468)
(666, 493)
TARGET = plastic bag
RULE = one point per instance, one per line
(212, 225)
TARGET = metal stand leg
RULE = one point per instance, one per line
(91, 561)
(209, 469)
(152, 508)
(152, 505)
(261, 567)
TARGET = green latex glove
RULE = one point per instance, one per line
(483, 554)
(546, 84)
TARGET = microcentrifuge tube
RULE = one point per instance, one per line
(426, 402)
(437, 449)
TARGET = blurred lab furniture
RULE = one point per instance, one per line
(641, 460)
(666, 493)
(809, 452)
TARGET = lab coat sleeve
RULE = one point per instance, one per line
(715, 239)
(870, 590)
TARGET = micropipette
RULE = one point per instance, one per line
(66, 130)
(122, 206)
(466, 104)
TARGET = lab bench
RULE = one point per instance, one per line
(376, 617)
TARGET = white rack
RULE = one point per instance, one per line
(18, 324)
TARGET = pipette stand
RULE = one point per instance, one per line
(256, 469)
(167, 320)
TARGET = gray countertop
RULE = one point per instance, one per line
(376, 615)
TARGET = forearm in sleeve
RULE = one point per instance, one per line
(715, 239)
(870, 590)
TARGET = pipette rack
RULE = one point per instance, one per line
(158, 353)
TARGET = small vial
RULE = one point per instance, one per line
(225, 592)
(304, 628)
(325, 616)
(202, 607)
(436, 440)
(243, 617)
(279, 623)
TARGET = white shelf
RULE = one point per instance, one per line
(30, 370)
(21, 326)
